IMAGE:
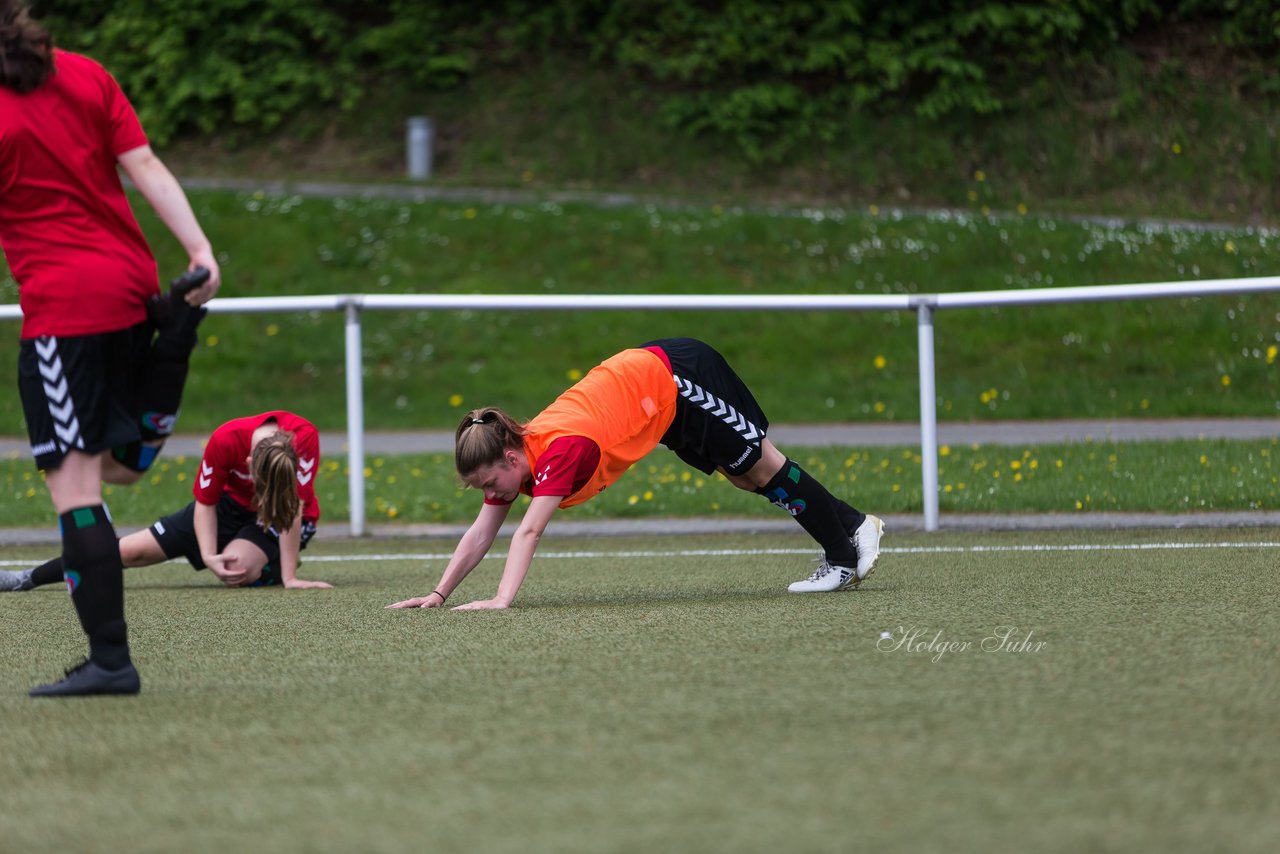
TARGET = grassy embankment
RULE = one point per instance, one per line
(1155, 359)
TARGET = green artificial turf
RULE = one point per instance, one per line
(651, 694)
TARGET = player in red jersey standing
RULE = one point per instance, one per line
(89, 370)
(255, 509)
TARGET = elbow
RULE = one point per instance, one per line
(139, 163)
(532, 536)
(147, 159)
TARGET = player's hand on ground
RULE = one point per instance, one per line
(303, 584)
(227, 568)
(431, 600)
(483, 605)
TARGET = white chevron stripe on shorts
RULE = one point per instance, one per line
(719, 408)
(61, 406)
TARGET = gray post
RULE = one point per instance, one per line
(418, 138)
(928, 415)
(355, 418)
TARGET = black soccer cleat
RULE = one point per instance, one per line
(87, 678)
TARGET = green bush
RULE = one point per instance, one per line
(769, 76)
(219, 65)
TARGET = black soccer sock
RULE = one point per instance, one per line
(850, 517)
(95, 579)
(816, 510)
(160, 389)
(49, 572)
(178, 338)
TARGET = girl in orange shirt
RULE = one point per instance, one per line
(678, 392)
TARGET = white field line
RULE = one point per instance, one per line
(651, 553)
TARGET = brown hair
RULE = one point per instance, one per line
(274, 466)
(483, 437)
(26, 48)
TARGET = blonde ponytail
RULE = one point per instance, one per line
(274, 467)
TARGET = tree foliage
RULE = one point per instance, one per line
(767, 75)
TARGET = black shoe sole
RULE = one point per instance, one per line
(95, 683)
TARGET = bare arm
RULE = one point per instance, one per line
(163, 192)
(470, 551)
(290, 546)
(523, 545)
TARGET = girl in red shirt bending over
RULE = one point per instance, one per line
(255, 509)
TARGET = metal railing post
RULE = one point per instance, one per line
(355, 418)
(924, 305)
(928, 414)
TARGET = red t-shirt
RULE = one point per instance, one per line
(563, 468)
(81, 262)
(225, 468)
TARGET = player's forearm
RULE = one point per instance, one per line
(166, 196)
(290, 547)
(206, 525)
(523, 546)
(466, 557)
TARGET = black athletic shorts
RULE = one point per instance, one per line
(176, 534)
(718, 423)
(78, 391)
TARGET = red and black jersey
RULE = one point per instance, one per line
(225, 465)
(623, 406)
(81, 262)
(563, 469)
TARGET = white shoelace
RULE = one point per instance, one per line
(823, 569)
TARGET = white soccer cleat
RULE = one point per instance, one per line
(11, 581)
(866, 539)
(825, 579)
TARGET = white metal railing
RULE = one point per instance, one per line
(924, 305)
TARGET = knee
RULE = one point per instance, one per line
(745, 482)
(765, 469)
(759, 476)
(126, 464)
(131, 554)
(119, 475)
(762, 472)
(250, 578)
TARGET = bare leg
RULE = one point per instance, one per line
(820, 513)
(77, 482)
(758, 476)
(116, 472)
(141, 549)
